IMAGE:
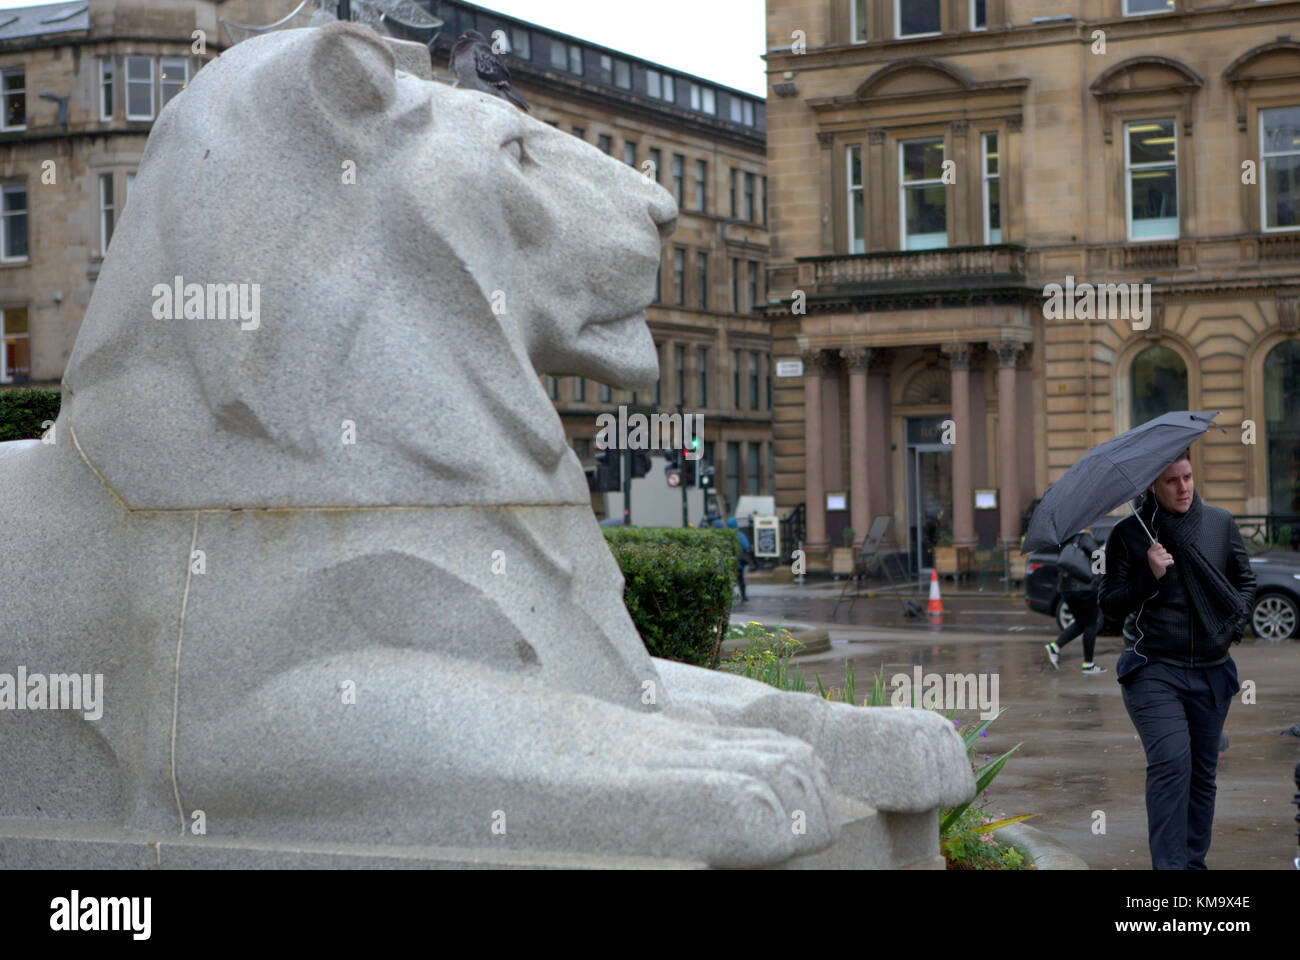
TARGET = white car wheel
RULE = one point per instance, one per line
(1275, 617)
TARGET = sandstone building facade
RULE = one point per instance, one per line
(937, 165)
(67, 161)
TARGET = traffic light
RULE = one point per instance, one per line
(705, 476)
(673, 469)
(608, 474)
(640, 463)
(688, 469)
(691, 463)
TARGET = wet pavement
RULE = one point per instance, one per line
(1081, 769)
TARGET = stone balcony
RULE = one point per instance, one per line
(892, 271)
(953, 276)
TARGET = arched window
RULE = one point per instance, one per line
(1282, 426)
(1157, 383)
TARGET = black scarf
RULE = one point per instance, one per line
(1219, 606)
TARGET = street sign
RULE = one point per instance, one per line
(674, 479)
(789, 368)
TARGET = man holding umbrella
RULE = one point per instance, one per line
(1178, 574)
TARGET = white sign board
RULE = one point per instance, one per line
(767, 537)
(789, 368)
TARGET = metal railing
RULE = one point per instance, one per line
(1279, 531)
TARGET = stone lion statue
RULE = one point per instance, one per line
(321, 534)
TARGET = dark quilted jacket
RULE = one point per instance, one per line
(1159, 621)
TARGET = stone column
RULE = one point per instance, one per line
(1008, 441)
(858, 361)
(814, 477)
(832, 455)
(959, 199)
(1028, 432)
(875, 203)
(880, 458)
(963, 496)
(826, 172)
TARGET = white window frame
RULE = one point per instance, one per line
(704, 99)
(747, 110)
(985, 178)
(1263, 174)
(6, 94)
(1128, 184)
(522, 50)
(184, 64)
(128, 82)
(107, 209)
(669, 88)
(973, 24)
(561, 62)
(735, 109)
(903, 186)
(850, 190)
(107, 77)
(853, 20)
(1144, 13)
(5, 337)
(26, 213)
(898, 23)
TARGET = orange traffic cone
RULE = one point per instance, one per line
(935, 609)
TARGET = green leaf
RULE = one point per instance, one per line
(974, 734)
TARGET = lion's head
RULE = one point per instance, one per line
(420, 255)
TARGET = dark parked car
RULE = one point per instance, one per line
(1276, 615)
(1277, 596)
(1040, 582)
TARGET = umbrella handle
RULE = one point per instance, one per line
(1140, 520)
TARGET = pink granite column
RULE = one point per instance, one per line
(1008, 442)
(858, 362)
(963, 496)
(814, 476)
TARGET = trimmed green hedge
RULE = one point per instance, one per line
(23, 411)
(678, 588)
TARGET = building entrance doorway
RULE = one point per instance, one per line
(929, 491)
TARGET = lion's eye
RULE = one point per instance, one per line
(515, 147)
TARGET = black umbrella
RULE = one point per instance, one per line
(1109, 474)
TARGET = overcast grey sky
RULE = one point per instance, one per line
(721, 40)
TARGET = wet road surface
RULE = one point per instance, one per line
(1081, 767)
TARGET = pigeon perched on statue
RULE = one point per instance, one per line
(477, 67)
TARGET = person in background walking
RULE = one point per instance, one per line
(1185, 592)
(1080, 596)
(744, 553)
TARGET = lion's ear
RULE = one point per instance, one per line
(350, 71)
